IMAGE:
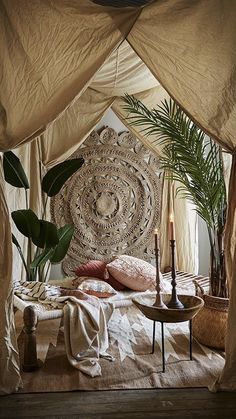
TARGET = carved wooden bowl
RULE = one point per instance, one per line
(192, 305)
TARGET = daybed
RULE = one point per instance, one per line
(33, 311)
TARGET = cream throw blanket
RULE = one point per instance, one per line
(85, 323)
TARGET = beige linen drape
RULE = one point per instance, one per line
(9, 359)
(65, 135)
(49, 52)
(227, 380)
(193, 55)
(49, 46)
(122, 72)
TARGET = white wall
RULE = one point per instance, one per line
(110, 119)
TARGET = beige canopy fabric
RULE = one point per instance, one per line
(123, 71)
(194, 58)
(45, 56)
(192, 53)
(9, 360)
(50, 53)
(48, 61)
(227, 380)
(65, 134)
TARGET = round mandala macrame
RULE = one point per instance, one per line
(113, 200)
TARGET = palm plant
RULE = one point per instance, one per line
(194, 160)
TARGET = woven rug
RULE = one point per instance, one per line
(134, 366)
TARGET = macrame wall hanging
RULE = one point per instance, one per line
(113, 200)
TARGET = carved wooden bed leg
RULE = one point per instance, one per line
(30, 362)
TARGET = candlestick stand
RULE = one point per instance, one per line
(158, 302)
(174, 301)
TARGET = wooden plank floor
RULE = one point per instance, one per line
(121, 404)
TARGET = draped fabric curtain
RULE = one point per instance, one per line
(193, 56)
(50, 53)
(227, 379)
(65, 135)
(9, 359)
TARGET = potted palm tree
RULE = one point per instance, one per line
(195, 160)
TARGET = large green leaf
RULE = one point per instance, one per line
(65, 234)
(16, 243)
(59, 174)
(13, 171)
(27, 223)
(42, 258)
(48, 235)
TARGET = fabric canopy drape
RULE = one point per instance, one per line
(50, 53)
(46, 50)
(186, 55)
(45, 56)
(65, 135)
(9, 359)
(192, 54)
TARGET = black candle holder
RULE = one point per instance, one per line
(174, 301)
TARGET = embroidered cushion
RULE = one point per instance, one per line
(134, 273)
(96, 287)
(96, 269)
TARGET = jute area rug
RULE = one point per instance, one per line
(134, 366)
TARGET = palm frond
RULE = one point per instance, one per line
(189, 155)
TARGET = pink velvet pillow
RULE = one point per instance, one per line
(96, 269)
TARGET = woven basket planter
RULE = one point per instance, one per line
(209, 325)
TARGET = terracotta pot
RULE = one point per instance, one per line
(210, 323)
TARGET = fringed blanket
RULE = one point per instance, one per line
(85, 322)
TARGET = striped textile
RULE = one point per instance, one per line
(185, 279)
(36, 291)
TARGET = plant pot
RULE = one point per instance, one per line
(210, 323)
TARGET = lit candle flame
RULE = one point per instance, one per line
(156, 231)
(171, 218)
(171, 226)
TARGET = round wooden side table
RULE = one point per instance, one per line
(192, 304)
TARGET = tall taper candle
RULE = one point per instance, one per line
(158, 302)
(156, 240)
(172, 227)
